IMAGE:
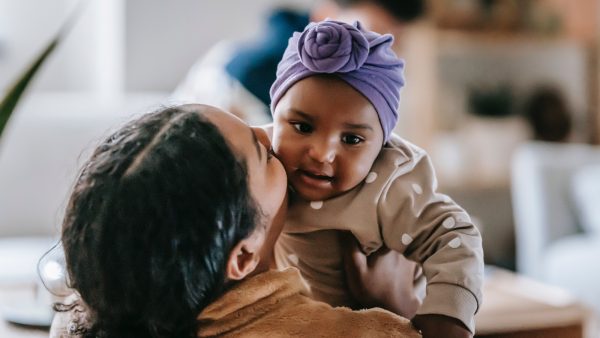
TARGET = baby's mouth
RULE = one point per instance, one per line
(316, 176)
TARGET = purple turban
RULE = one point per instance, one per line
(363, 59)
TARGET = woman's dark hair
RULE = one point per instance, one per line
(150, 224)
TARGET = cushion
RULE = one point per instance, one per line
(586, 197)
(569, 264)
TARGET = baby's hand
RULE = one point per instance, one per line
(383, 279)
(434, 326)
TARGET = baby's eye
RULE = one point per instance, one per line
(302, 127)
(352, 139)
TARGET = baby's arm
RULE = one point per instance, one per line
(383, 279)
(431, 229)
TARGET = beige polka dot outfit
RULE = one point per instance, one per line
(396, 206)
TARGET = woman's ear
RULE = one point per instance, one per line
(245, 256)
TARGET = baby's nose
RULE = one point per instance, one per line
(323, 152)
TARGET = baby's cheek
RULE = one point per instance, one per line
(286, 159)
(285, 151)
(277, 137)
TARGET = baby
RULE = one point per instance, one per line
(334, 104)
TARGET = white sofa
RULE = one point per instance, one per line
(41, 151)
(555, 187)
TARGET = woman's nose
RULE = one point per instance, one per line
(262, 137)
(323, 152)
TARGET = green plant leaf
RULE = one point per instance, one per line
(14, 94)
(9, 102)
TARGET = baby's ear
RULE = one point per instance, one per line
(245, 256)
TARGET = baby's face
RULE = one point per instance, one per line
(327, 135)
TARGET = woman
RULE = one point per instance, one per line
(170, 231)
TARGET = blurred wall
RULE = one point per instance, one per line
(522, 64)
(25, 26)
(132, 44)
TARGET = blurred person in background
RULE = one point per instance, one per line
(237, 77)
(548, 116)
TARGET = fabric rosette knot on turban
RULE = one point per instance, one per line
(330, 47)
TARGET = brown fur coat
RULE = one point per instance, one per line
(273, 304)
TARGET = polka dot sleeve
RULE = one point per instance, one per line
(430, 228)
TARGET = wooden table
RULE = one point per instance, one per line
(513, 307)
(518, 307)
